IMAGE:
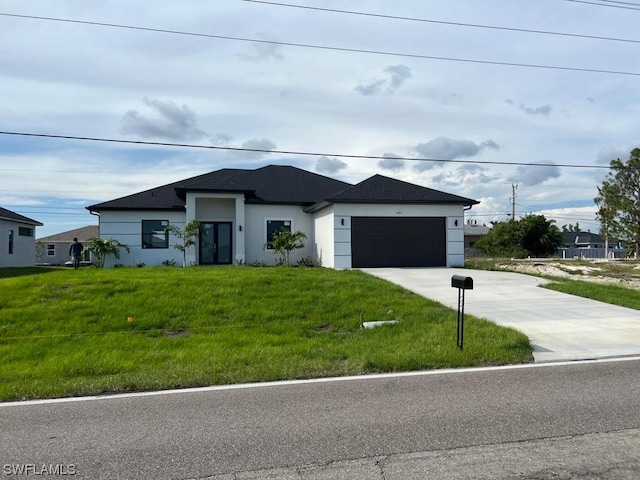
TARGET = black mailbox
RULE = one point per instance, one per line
(465, 283)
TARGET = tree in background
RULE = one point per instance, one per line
(188, 237)
(285, 241)
(606, 212)
(618, 201)
(532, 235)
(571, 228)
(102, 248)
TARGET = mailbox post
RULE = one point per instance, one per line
(462, 283)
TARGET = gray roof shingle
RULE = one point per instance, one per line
(82, 234)
(16, 217)
(381, 189)
(283, 185)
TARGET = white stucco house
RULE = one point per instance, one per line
(379, 222)
(17, 239)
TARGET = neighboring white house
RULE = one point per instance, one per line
(379, 222)
(54, 249)
(17, 239)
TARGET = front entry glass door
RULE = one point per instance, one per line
(215, 243)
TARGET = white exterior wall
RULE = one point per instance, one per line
(256, 217)
(455, 240)
(126, 227)
(24, 248)
(328, 230)
(324, 239)
(60, 253)
(452, 213)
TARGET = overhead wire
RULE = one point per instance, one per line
(599, 4)
(326, 47)
(441, 22)
(299, 153)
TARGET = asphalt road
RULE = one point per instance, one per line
(345, 429)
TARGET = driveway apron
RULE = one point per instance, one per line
(559, 326)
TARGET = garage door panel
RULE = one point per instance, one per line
(398, 242)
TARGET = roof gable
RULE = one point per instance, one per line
(381, 189)
(82, 234)
(16, 217)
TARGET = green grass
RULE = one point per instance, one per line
(601, 291)
(613, 294)
(66, 332)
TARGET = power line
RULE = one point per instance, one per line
(97, 171)
(440, 22)
(621, 3)
(606, 5)
(299, 153)
(325, 47)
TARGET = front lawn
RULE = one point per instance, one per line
(67, 332)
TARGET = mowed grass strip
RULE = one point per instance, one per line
(91, 331)
(613, 294)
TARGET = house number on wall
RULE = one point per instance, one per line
(399, 213)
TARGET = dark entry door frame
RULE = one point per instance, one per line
(215, 244)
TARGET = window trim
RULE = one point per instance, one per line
(11, 242)
(266, 228)
(25, 231)
(51, 249)
(151, 245)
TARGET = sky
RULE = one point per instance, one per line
(451, 95)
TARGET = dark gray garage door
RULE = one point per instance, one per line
(398, 242)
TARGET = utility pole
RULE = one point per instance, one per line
(514, 189)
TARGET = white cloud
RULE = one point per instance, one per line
(391, 162)
(544, 110)
(263, 51)
(223, 92)
(329, 166)
(443, 148)
(169, 121)
(396, 75)
(535, 175)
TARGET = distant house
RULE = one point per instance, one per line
(379, 222)
(17, 239)
(54, 249)
(589, 245)
(474, 232)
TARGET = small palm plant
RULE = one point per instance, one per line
(103, 247)
(285, 241)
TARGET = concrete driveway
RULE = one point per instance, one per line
(559, 326)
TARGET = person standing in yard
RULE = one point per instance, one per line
(75, 250)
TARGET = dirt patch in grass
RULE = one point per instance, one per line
(623, 273)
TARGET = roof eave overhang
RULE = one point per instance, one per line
(27, 221)
(325, 203)
(97, 208)
(181, 192)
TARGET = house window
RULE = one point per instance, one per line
(154, 234)
(275, 226)
(25, 232)
(51, 250)
(10, 242)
